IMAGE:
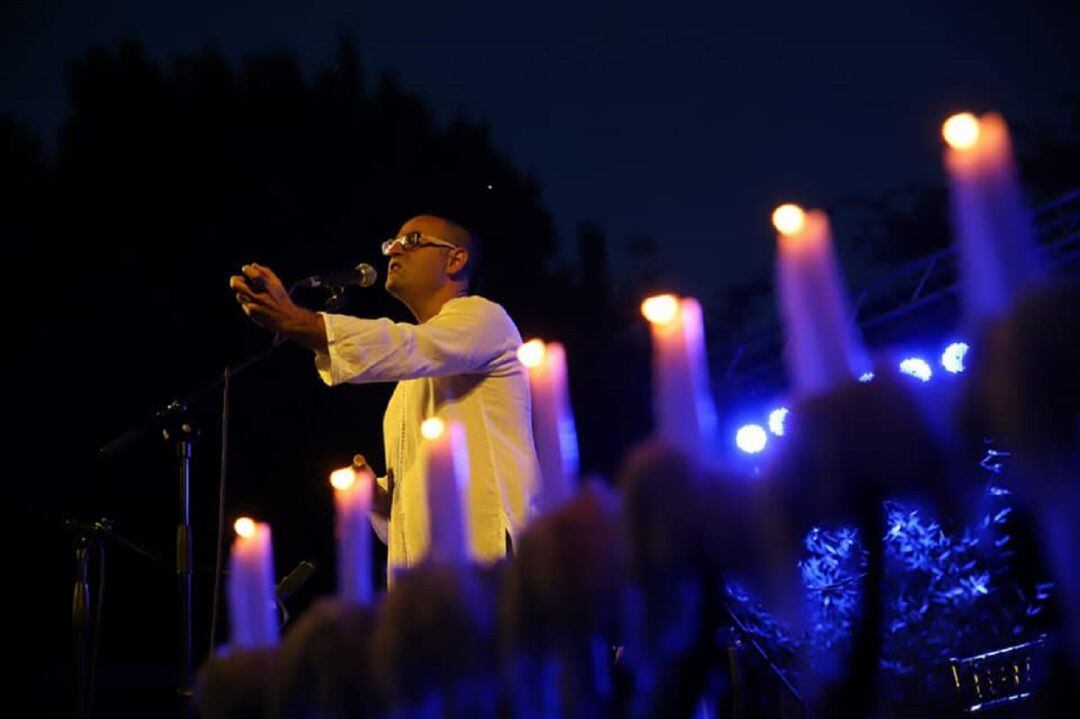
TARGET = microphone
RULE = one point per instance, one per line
(363, 275)
(295, 579)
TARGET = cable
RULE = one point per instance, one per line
(97, 629)
(221, 510)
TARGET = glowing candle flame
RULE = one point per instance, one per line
(660, 309)
(531, 354)
(823, 346)
(432, 428)
(961, 131)
(245, 527)
(788, 219)
(252, 617)
(342, 479)
(554, 432)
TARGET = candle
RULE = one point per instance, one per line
(683, 406)
(823, 347)
(553, 421)
(252, 606)
(352, 504)
(995, 240)
(446, 472)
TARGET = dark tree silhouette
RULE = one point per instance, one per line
(165, 178)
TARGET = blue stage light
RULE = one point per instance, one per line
(952, 359)
(776, 420)
(751, 438)
(917, 367)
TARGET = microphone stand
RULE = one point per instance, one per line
(90, 539)
(82, 626)
(177, 427)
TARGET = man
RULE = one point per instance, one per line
(458, 363)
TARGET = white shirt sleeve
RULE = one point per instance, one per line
(466, 335)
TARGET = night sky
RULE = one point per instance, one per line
(684, 121)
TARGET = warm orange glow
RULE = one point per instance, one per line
(788, 219)
(961, 131)
(245, 527)
(342, 479)
(660, 309)
(432, 428)
(531, 354)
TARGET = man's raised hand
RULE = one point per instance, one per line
(265, 300)
(263, 297)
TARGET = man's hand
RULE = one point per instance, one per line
(382, 500)
(264, 299)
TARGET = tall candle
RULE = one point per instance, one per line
(995, 240)
(446, 474)
(683, 407)
(352, 504)
(554, 432)
(823, 346)
(252, 607)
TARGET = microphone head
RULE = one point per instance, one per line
(366, 274)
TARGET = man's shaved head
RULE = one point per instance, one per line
(440, 267)
(450, 231)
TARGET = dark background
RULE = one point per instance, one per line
(601, 151)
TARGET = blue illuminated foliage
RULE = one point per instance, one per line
(948, 590)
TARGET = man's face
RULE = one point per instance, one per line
(422, 270)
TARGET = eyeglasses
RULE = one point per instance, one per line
(414, 240)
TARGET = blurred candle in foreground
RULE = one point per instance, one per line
(823, 348)
(446, 473)
(553, 421)
(252, 609)
(683, 408)
(994, 236)
(352, 505)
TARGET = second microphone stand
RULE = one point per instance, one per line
(178, 428)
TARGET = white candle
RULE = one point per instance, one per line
(353, 488)
(252, 606)
(683, 407)
(554, 432)
(995, 240)
(446, 479)
(823, 346)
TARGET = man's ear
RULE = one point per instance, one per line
(457, 260)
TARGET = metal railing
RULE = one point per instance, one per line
(918, 285)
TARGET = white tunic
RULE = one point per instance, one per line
(459, 365)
